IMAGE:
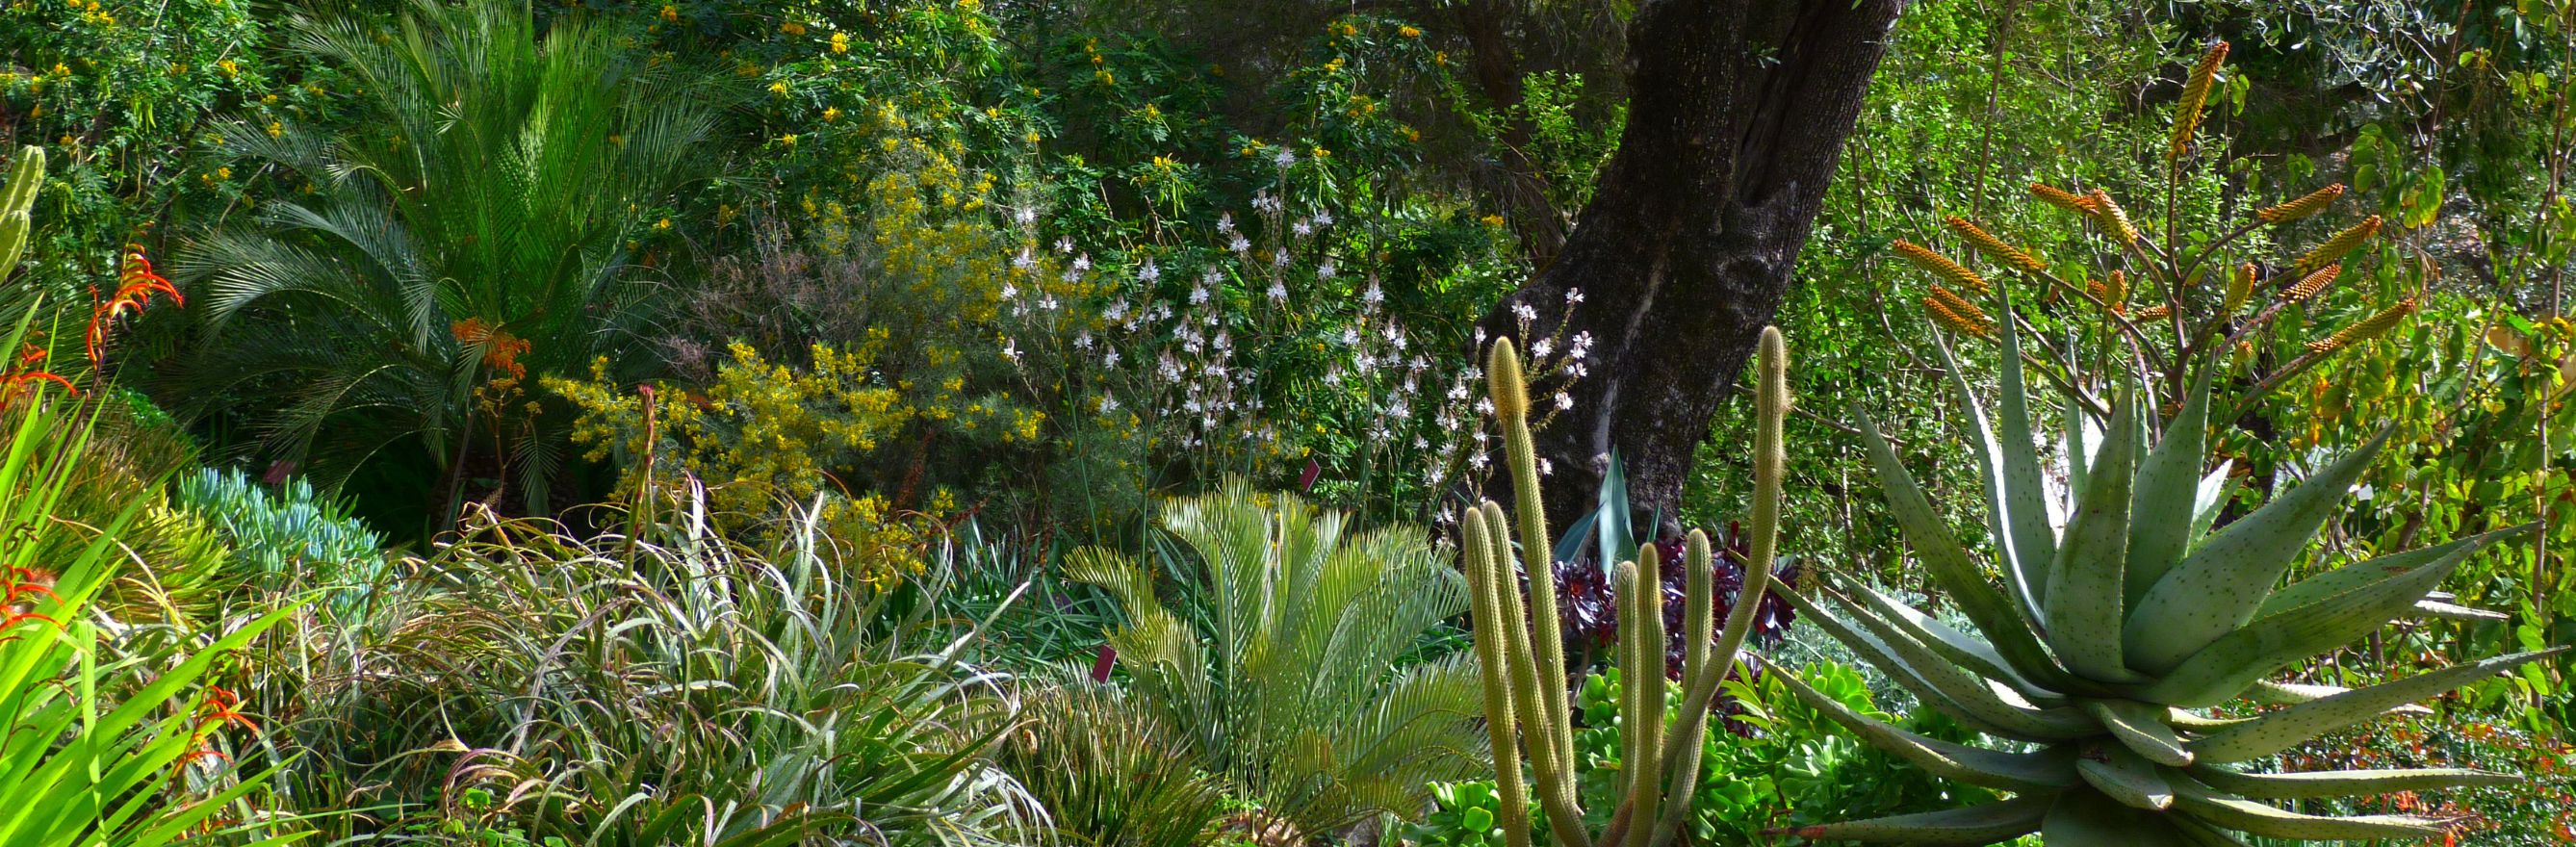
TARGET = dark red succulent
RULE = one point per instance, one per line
(1589, 620)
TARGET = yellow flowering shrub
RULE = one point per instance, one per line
(760, 432)
(887, 341)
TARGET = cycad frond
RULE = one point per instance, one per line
(1301, 694)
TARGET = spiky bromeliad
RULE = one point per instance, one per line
(2114, 634)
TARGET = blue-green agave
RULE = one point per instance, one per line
(2115, 634)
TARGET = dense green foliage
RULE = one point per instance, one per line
(728, 422)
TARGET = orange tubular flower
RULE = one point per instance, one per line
(2061, 198)
(2302, 208)
(1941, 266)
(1993, 247)
(18, 379)
(136, 283)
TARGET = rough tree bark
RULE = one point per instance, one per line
(1737, 114)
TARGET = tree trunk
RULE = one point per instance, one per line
(1738, 110)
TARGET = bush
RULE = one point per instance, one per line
(1783, 764)
(1109, 773)
(621, 689)
(1293, 679)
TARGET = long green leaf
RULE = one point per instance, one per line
(1985, 823)
(2254, 818)
(2092, 819)
(2143, 729)
(2001, 619)
(2122, 776)
(2044, 771)
(2363, 573)
(2236, 662)
(2361, 783)
(2165, 502)
(2287, 728)
(2217, 588)
(2085, 591)
(1938, 682)
(2028, 542)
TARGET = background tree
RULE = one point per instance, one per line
(1737, 113)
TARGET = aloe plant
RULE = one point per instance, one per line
(101, 745)
(1523, 654)
(2115, 634)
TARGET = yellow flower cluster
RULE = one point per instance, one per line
(760, 432)
(955, 300)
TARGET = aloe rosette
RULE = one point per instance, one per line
(2120, 626)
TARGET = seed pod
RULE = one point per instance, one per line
(2367, 329)
(1993, 247)
(2060, 198)
(2115, 293)
(2309, 285)
(2195, 94)
(2342, 244)
(2302, 208)
(2113, 219)
(2154, 313)
(2239, 289)
(1940, 266)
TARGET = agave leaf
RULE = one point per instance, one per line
(2123, 776)
(1981, 440)
(2362, 783)
(1985, 823)
(1976, 656)
(2092, 819)
(2143, 728)
(2002, 620)
(2254, 818)
(2085, 591)
(2081, 438)
(1940, 682)
(2216, 589)
(1618, 538)
(2033, 541)
(2204, 835)
(2287, 728)
(2041, 771)
(2363, 573)
(2166, 504)
(2271, 693)
(2236, 662)
(2216, 488)
(2449, 611)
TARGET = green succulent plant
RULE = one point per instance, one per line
(1523, 654)
(17, 199)
(2115, 635)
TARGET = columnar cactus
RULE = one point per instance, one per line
(17, 199)
(2113, 634)
(1523, 655)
